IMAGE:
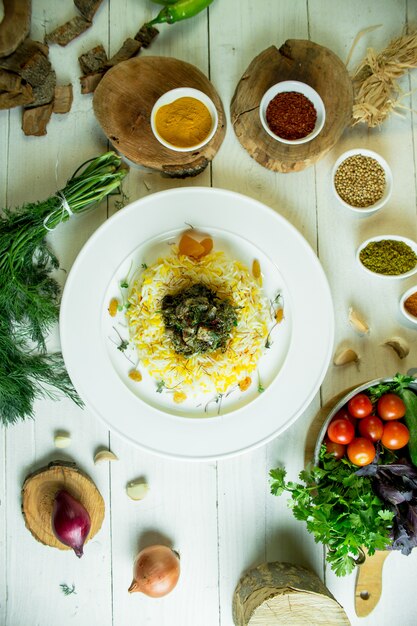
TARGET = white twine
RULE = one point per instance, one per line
(65, 208)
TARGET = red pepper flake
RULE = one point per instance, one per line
(291, 115)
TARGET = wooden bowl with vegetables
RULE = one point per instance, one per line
(361, 493)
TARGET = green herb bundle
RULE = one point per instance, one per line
(29, 295)
(340, 509)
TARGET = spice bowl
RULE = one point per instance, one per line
(295, 114)
(388, 252)
(190, 126)
(362, 177)
(408, 304)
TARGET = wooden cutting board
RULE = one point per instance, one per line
(368, 586)
(123, 102)
(310, 63)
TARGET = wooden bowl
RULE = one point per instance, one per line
(123, 103)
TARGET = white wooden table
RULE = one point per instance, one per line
(219, 515)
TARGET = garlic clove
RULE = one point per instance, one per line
(357, 322)
(62, 439)
(104, 455)
(345, 356)
(137, 489)
(399, 345)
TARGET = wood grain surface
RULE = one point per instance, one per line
(304, 61)
(274, 594)
(123, 103)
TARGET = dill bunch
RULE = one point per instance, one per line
(29, 295)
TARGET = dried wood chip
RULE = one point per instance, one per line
(146, 35)
(87, 8)
(62, 98)
(90, 81)
(129, 48)
(64, 34)
(35, 119)
(94, 60)
(13, 92)
(31, 63)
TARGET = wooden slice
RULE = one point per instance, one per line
(38, 494)
(281, 593)
(309, 63)
(123, 102)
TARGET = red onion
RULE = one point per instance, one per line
(70, 521)
(156, 571)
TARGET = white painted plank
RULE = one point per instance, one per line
(180, 508)
(4, 145)
(340, 232)
(38, 166)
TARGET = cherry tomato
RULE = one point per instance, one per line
(343, 412)
(395, 436)
(390, 407)
(361, 451)
(371, 428)
(360, 406)
(341, 431)
(336, 449)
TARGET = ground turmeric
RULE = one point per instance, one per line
(184, 123)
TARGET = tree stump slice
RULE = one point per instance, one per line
(38, 494)
(301, 60)
(281, 593)
(123, 102)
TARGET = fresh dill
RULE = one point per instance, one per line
(160, 386)
(66, 590)
(29, 295)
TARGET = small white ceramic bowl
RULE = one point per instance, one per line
(407, 294)
(388, 181)
(185, 92)
(409, 242)
(308, 92)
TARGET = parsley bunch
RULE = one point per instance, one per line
(340, 509)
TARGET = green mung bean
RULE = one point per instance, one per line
(388, 256)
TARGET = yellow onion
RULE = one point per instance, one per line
(156, 571)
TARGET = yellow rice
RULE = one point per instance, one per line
(216, 371)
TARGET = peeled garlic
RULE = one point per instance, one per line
(137, 490)
(357, 323)
(104, 455)
(345, 356)
(399, 345)
(62, 439)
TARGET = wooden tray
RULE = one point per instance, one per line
(123, 103)
(307, 62)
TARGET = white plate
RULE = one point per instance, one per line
(245, 226)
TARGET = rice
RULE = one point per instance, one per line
(217, 371)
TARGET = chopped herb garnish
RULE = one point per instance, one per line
(144, 266)
(66, 590)
(160, 386)
(124, 284)
(123, 345)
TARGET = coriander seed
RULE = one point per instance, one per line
(360, 181)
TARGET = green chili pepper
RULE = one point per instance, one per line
(180, 10)
(164, 2)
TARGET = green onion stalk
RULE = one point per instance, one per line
(29, 295)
